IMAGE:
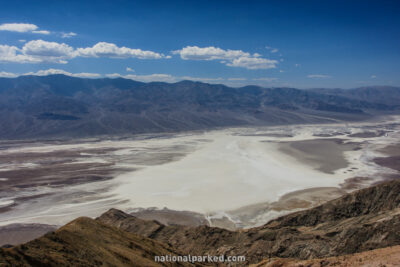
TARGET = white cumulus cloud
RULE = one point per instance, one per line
(156, 77)
(37, 51)
(209, 53)
(272, 50)
(42, 32)
(59, 71)
(232, 58)
(13, 54)
(18, 27)
(22, 27)
(45, 51)
(68, 34)
(104, 49)
(200, 79)
(4, 74)
(253, 63)
(40, 51)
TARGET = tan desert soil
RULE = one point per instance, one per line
(368, 134)
(330, 134)
(53, 168)
(171, 217)
(14, 234)
(324, 154)
(389, 162)
(384, 257)
(391, 150)
(393, 159)
(354, 183)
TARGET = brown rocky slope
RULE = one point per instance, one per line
(382, 257)
(364, 220)
(87, 242)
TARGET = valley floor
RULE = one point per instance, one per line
(232, 178)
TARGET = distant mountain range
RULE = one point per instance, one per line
(63, 106)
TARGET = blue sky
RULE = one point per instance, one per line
(299, 44)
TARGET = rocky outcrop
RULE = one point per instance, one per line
(86, 242)
(365, 220)
(369, 201)
(360, 221)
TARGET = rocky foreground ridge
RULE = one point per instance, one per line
(360, 222)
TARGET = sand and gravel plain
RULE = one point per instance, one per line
(232, 178)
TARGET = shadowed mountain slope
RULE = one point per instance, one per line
(360, 221)
(63, 106)
(86, 242)
(387, 95)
